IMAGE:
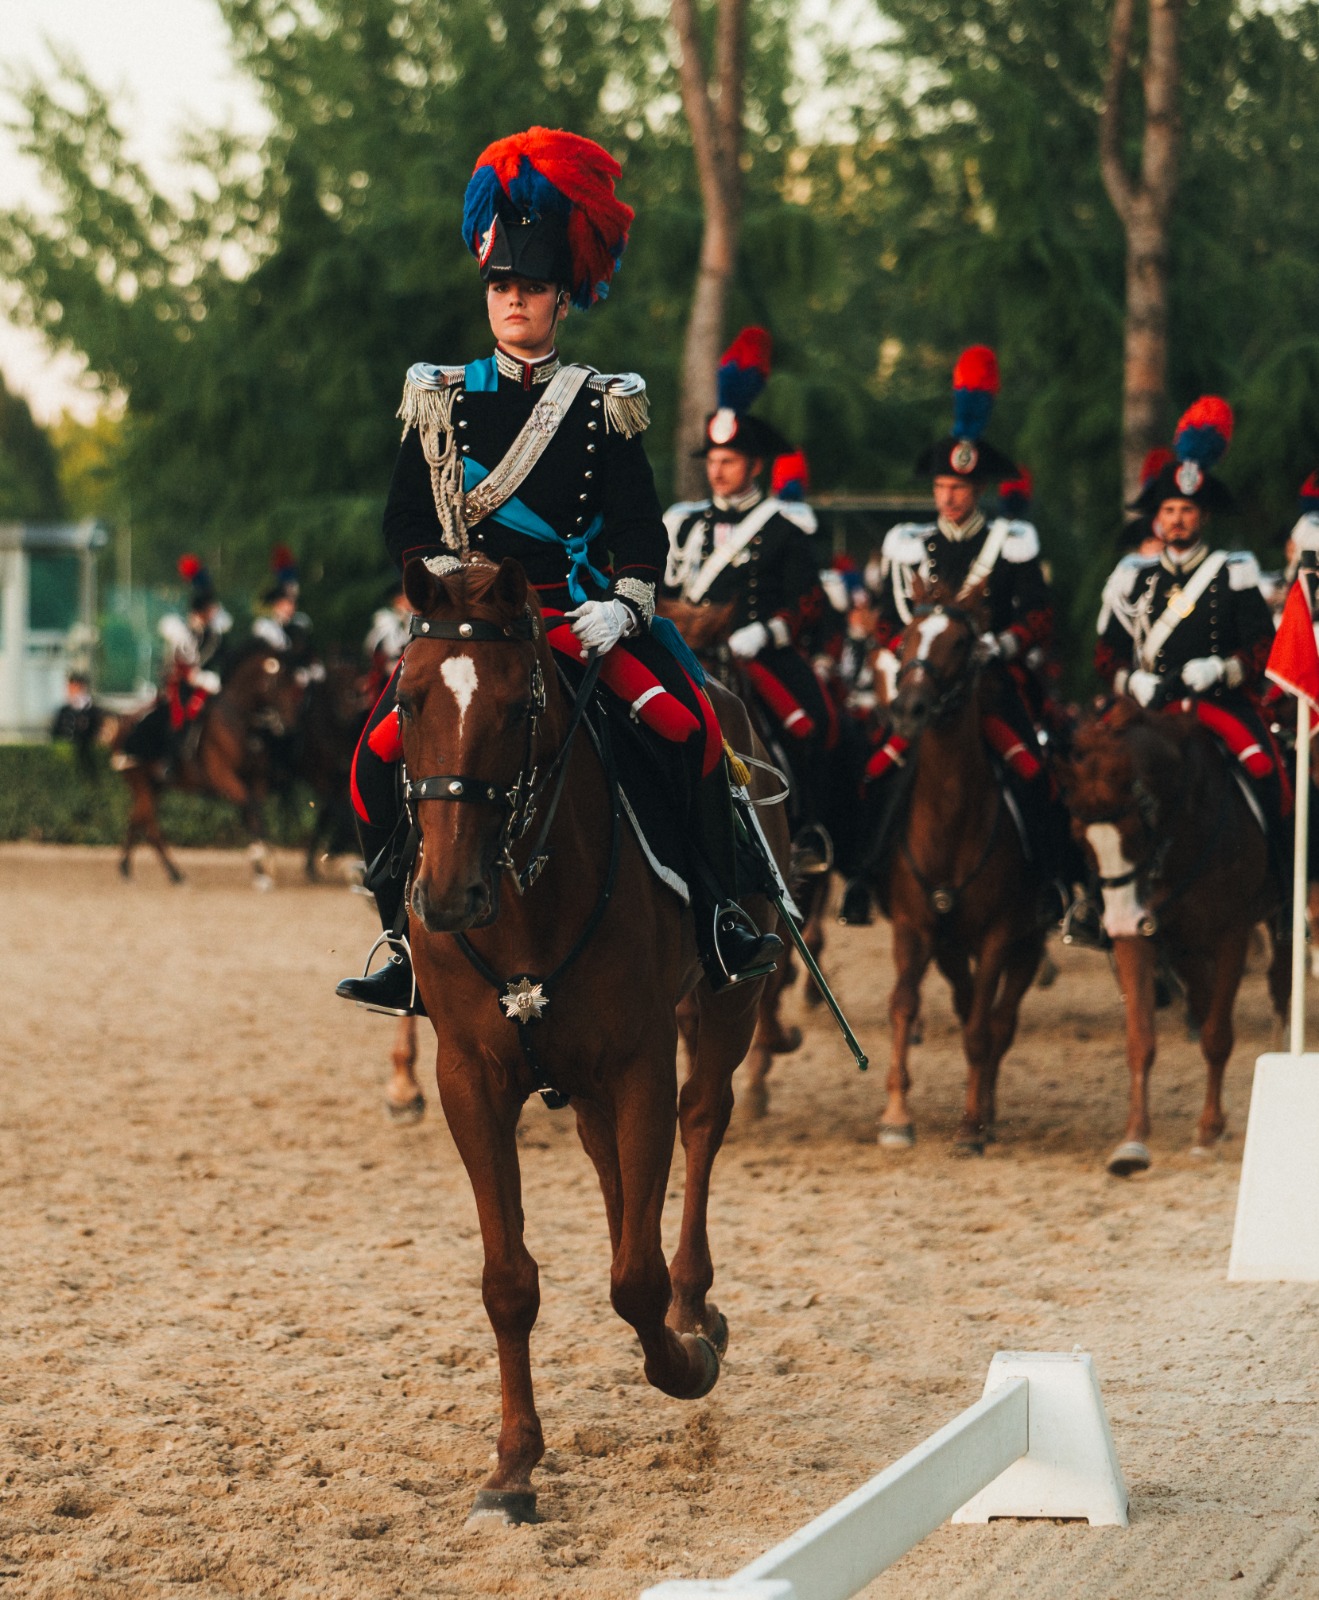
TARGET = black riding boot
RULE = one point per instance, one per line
(391, 988)
(732, 948)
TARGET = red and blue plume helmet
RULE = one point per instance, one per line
(193, 572)
(541, 204)
(284, 585)
(1199, 443)
(1014, 495)
(964, 453)
(1308, 494)
(743, 374)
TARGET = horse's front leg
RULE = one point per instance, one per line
(978, 1043)
(1019, 972)
(483, 1118)
(1216, 1032)
(685, 1365)
(704, 1108)
(911, 956)
(1135, 962)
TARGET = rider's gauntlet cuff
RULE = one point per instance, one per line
(638, 596)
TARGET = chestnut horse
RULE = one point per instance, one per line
(1184, 868)
(705, 628)
(226, 757)
(568, 986)
(951, 873)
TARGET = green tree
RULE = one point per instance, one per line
(29, 476)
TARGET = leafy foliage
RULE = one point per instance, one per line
(29, 474)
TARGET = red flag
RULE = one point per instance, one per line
(1294, 658)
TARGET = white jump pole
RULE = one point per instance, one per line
(1036, 1444)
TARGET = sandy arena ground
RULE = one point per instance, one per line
(244, 1352)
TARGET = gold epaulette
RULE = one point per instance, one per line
(626, 408)
(428, 397)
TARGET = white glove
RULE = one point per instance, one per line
(988, 647)
(1203, 673)
(600, 624)
(1008, 645)
(748, 641)
(208, 681)
(1143, 686)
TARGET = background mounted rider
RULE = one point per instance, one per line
(188, 676)
(386, 640)
(542, 219)
(279, 622)
(962, 550)
(753, 551)
(1190, 628)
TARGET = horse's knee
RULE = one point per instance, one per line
(511, 1292)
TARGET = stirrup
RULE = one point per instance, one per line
(812, 852)
(1083, 925)
(768, 947)
(398, 943)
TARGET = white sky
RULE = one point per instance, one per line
(166, 65)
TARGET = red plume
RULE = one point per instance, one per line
(977, 368)
(282, 558)
(189, 567)
(1154, 463)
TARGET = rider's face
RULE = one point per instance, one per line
(730, 472)
(525, 315)
(954, 498)
(1179, 522)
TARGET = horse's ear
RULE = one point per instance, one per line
(509, 590)
(421, 586)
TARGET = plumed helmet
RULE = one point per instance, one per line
(541, 204)
(743, 374)
(193, 572)
(964, 453)
(1199, 443)
(284, 584)
(1014, 495)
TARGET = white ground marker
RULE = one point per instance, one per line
(1036, 1444)
(1277, 1228)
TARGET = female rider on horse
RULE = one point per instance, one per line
(542, 219)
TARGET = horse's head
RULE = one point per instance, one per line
(262, 686)
(938, 658)
(470, 694)
(1121, 785)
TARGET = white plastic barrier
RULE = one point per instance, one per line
(1277, 1227)
(1037, 1444)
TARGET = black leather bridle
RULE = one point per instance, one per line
(950, 694)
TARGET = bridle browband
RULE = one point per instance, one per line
(949, 695)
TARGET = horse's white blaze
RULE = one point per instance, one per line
(1122, 908)
(459, 672)
(928, 630)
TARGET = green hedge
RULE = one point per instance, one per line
(45, 797)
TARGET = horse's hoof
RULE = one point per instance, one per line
(709, 1358)
(125, 869)
(897, 1136)
(1128, 1158)
(409, 1112)
(788, 1040)
(968, 1144)
(1047, 973)
(263, 882)
(175, 876)
(503, 1508)
(1204, 1149)
(717, 1333)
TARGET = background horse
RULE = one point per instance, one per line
(331, 716)
(226, 756)
(950, 869)
(569, 987)
(1185, 872)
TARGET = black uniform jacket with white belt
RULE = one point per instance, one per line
(1230, 618)
(594, 469)
(773, 573)
(1017, 591)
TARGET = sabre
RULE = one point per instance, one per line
(788, 913)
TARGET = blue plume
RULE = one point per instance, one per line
(739, 386)
(533, 193)
(479, 205)
(971, 408)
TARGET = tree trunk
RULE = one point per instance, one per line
(1145, 209)
(716, 129)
